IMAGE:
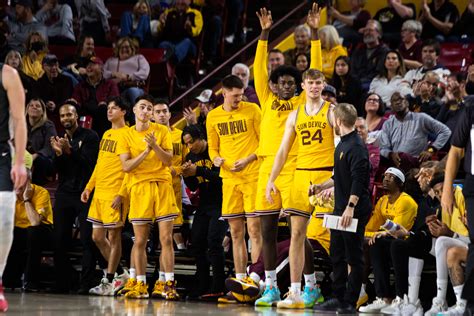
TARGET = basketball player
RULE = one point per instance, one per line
(311, 125)
(146, 154)
(12, 177)
(106, 181)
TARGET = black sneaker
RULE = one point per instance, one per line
(331, 305)
(346, 309)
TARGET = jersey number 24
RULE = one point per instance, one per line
(307, 139)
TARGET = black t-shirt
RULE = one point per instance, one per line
(448, 12)
(390, 20)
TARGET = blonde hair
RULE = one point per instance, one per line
(331, 37)
(133, 45)
(43, 119)
(312, 74)
(28, 41)
(18, 54)
(139, 3)
(347, 113)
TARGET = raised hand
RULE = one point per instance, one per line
(314, 16)
(265, 17)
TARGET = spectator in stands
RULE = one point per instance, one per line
(449, 114)
(404, 136)
(455, 89)
(390, 78)
(329, 94)
(301, 37)
(438, 19)
(463, 29)
(469, 87)
(36, 49)
(208, 229)
(275, 59)
(347, 85)
(24, 24)
(302, 62)
(349, 24)
(53, 88)
(93, 18)
(32, 234)
(136, 23)
(374, 109)
(40, 131)
(76, 155)
(235, 9)
(58, 20)
(128, 69)
(331, 48)
(410, 46)
(392, 17)
(5, 47)
(369, 57)
(207, 102)
(374, 150)
(92, 94)
(178, 28)
(243, 72)
(430, 51)
(14, 60)
(401, 209)
(425, 97)
(85, 49)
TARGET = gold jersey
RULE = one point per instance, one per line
(315, 138)
(179, 150)
(40, 202)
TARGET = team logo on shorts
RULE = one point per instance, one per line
(340, 156)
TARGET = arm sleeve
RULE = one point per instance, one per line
(91, 184)
(66, 19)
(143, 68)
(260, 71)
(406, 213)
(108, 68)
(208, 174)
(212, 139)
(385, 143)
(441, 131)
(257, 120)
(376, 220)
(316, 56)
(47, 151)
(196, 29)
(360, 170)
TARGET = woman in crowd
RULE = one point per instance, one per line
(136, 23)
(348, 87)
(128, 68)
(375, 111)
(410, 46)
(302, 62)
(36, 49)
(77, 66)
(331, 48)
(14, 60)
(40, 131)
(390, 78)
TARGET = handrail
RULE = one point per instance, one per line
(209, 75)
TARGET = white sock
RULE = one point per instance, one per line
(105, 272)
(169, 276)
(162, 276)
(271, 278)
(458, 292)
(442, 289)
(310, 280)
(415, 267)
(181, 246)
(363, 287)
(240, 276)
(7, 202)
(141, 278)
(296, 288)
(133, 273)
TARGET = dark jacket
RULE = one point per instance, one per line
(349, 91)
(38, 139)
(365, 68)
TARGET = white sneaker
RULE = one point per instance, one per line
(394, 308)
(456, 310)
(439, 306)
(120, 281)
(292, 301)
(411, 309)
(103, 289)
(374, 307)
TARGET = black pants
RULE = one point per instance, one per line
(66, 208)
(468, 292)
(207, 235)
(381, 260)
(25, 254)
(346, 249)
(417, 246)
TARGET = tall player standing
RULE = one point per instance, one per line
(12, 177)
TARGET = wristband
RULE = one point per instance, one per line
(351, 205)
(27, 201)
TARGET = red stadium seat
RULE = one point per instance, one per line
(455, 56)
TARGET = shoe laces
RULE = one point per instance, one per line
(397, 302)
(378, 301)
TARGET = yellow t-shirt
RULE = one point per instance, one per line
(329, 59)
(41, 203)
(108, 173)
(315, 138)
(275, 111)
(179, 150)
(235, 135)
(402, 212)
(34, 69)
(459, 209)
(151, 168)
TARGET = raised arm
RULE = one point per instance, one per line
(314, 17)
(260, 65)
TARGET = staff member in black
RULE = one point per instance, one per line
(208, 227)
(76, 155)
(462, 146)
(351, 182)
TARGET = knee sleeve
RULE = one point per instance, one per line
(7, 205)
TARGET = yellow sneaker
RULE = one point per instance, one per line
(244, 290)
(364, 298)
(169, 291)
(158, 289)
(140, 290)
(131, 282)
